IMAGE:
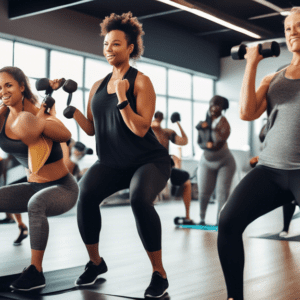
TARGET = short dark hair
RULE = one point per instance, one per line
(219, 100)
(158, 115)
(132, 28)
(22, 80)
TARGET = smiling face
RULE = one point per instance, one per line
(292, 32)
(10, 90)
(116, 49)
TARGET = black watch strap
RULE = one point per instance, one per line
(122, 104)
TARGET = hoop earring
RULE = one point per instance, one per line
(23, 102)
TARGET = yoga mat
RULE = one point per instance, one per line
(73, 295)
(201, 227)
(296, 216)
(272, 236)
(56, 281)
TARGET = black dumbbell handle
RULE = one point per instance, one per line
(49, 101)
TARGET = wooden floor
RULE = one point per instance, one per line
(272, 269)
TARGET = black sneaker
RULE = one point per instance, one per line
(23, 235)
(30, 279)
(158, 286)
(91, 273)
(7, 221)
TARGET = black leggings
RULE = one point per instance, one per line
(144, 183)
(259, 192)
(288, 212)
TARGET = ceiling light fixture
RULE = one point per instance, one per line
(285, 13)
(207, 16)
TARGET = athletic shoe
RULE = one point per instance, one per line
(158, 286)
(188, 222)
(283, 234)
(202, 223)
(30, 279)
(91, 273)
(23, 235)
(7, 221)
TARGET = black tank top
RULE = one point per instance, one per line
(20, 151)
(117, 146)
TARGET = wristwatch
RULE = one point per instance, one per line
(122, 104)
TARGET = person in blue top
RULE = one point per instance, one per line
(120, 110)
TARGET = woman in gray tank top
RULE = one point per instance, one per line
(275, 180)
(217, 165)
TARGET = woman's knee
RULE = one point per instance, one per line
(36, 207)
(140, 199)
(229, 223)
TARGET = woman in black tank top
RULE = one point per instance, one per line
(119, 114)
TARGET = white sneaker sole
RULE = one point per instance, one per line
(151, 296)
(25, 290)
(90, 283)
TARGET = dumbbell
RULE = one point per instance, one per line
(49, 101)
(70, 86)
(175, 117)
(44, 85)
(267, 49)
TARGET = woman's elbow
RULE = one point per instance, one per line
(90, 133)
(66, 136)
(245, 117)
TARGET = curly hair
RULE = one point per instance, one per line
(19, 76)
(132, 28)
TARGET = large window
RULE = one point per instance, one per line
(95, 70)
(6, 57)
(179, 84)
(67, 66)
(202, 88)
(31, 60)
(185, 109)
(157, 76)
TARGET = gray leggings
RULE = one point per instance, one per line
(40, 200)
(216, 170)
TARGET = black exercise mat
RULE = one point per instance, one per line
(56, 282)
(296, 216)
(74, 295)
(272, 236)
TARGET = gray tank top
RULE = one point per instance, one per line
(281, 147)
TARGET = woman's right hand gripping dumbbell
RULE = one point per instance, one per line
(252, 55)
